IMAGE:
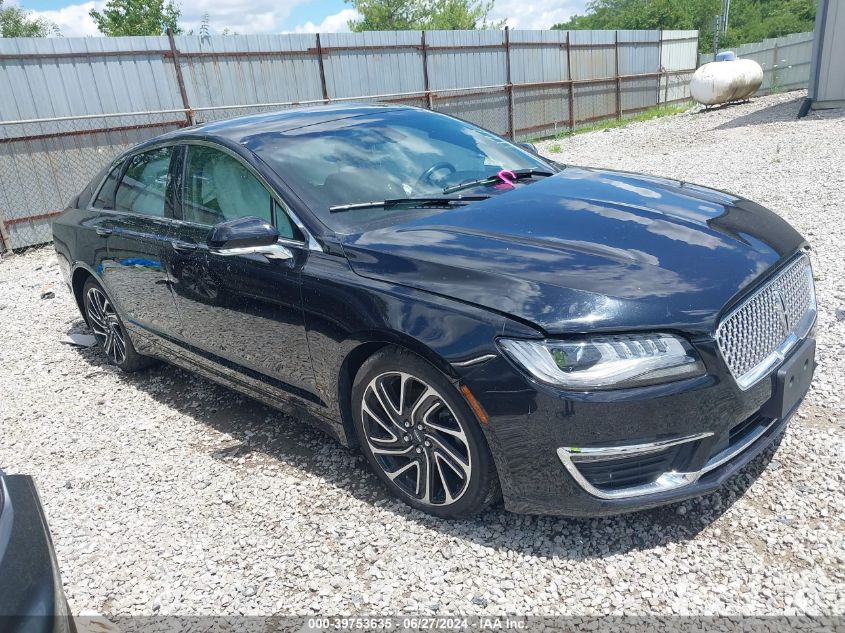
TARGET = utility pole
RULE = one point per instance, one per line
(720, 25)
(726, 9)
(716, 21)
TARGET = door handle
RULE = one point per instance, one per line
(103, 232)
(183, 247)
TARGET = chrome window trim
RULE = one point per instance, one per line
(112, 166)
(122, 159)
(310, 243)
(800, 331)
(160, 218)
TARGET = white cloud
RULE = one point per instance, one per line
(538, 14)
(335, 23)
(73, 20)
(269, 16)
(239, 16)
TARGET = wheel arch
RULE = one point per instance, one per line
(365, 346)
(80, 275)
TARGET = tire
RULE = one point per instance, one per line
(109, 330)
(431, 429)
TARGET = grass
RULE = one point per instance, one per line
(646, 115)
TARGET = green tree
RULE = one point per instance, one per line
(17, 22)
(137, 17)
(403, 15)
(750, 20)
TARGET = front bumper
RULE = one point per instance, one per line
(602, 453)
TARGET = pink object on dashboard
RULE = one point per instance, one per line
(507, 177)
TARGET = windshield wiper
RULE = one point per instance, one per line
(494, 179)
(431, 202)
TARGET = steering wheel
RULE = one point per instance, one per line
(428, 173)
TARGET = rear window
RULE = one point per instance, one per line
(143, 188)
(105, 197)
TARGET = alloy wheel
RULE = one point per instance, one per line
(416, 438)
(106, 326)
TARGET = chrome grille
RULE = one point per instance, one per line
(758, 333)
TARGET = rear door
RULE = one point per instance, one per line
(246, 309)
(138, 222)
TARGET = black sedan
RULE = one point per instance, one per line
(480, 321)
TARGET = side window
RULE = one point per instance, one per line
(285, 226)
(217, 187)
(143, 188)
(105, 198)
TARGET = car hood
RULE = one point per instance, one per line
(586, 249)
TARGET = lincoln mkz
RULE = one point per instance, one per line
(480, 321)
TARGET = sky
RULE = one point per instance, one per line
(286, 16)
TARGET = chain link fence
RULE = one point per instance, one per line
(44, 165)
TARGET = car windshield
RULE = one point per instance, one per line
(392, 155)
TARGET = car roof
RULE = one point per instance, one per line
(238, 129)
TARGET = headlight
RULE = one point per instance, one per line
(606, 361)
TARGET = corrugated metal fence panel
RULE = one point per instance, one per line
(467, 67)
(372, 70)
(792, 62)
(539, 110)
(785, 60)
(678, 51)
(530, 63)
(639, 52)
(243, 70)
(49, 86)
(470, 68)
(594, 57)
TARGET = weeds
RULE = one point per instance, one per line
(645, 115)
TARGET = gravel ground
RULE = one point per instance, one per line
(167, 494)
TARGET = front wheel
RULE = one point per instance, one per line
(109, 331)
(420, 437)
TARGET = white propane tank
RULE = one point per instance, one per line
(727, 79)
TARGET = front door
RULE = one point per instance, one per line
(137, 223)
(245, 309)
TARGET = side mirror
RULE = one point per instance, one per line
(247, 236)
(529, 146)
(242, 233)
